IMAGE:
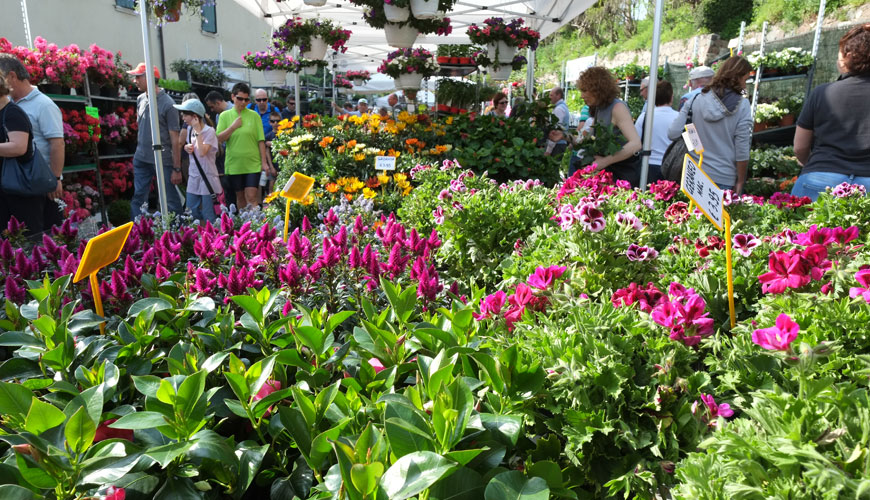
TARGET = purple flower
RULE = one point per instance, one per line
(591, 218)
(438, 215)
(639, 253)
(744, 243)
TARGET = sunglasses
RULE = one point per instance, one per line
(499, 103)
(243, 99)
(273, 121)
(264, 99)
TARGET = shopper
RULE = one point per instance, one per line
(600, 90)
(47, 122)
(144, 169)
(246, 157)
(560, 109)
(832, 138)
(289, 110)
(267, 182)
(723, 119)
(201, 144)
(644, 93)
(16, 141)
(263, 108)
(662, 118)
(216, 103)
(698, 79)
(499, 105)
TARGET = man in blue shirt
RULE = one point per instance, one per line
(560, 109)
(263, 108)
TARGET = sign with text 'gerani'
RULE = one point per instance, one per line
(385, 163)
(703, 191)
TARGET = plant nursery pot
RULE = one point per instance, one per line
(359, 82)
(108, 91)
(504, 51)
(396, 14)
(501, 73)
(275, 76)
(425, 9)
(787, 120)
(183, 75)
(466, 61)
(51, 88)
(317, 49)
(453, 60)
(410, 81)
(309, 70)
(94, 88)
(172, 15)
(758, 127)
(400, 36)
(314, 3)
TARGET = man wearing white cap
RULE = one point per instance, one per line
(144, 169)
(362, 108)
(698, 78)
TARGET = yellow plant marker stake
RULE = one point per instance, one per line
(297, 188)
(730, 269)
(101, 251)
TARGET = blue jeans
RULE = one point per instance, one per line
(813, 183)
(201, 207)
(143, 173)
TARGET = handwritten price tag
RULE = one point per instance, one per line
(693, 140)
(703, 191)
(385, 163)
(297, 187)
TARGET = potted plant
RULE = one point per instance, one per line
(768, 115)
(409, 66)
(312, 36)
(113, 130)
(359, 78)
(183, 67)
(402, 34)
(63, 66)
(310, 66)
(340, 82)
(397, 11)
(175, 88)
(169, 11)
(503, 39)
(274, 65)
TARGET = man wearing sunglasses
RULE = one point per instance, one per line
(242, 130)
(263, 108)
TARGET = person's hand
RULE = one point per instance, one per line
(175, 178)
(58, 191)
(188, 148)
(602, 162)
(237, 123)
(738, 189)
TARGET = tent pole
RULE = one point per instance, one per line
(530, 75)
(296, 82)
(155, 126)
(651, 95)
(26, 19)
(759, 70)
(812, 72)
(740, 40)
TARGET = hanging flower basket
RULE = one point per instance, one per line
(317, 49)
(425, 9)
(275, 65)
(314, 3)
(359, 78)
(169, 11)
(408, 67)
(499, 73)
(503, 38)
(401, 36)
(309, 70)
(395, 13)
(409, 81)
(501, 52)
(275, 76)
(304, 34)
(359, 82)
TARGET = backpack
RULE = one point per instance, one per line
(672, 161)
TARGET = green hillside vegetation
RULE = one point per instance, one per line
(613, 26)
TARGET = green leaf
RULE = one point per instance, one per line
(504, 428)
(140, 420)
(178, 488)
(147, 384)
(214, 361)
(168, 452)
(250, 305)
(549, 471)
(238, 385)
(337, 319)
(15, 492)
(512, 485)
(259, 373)
(464, 484)
(365, 476)
(80, 431)
(249, 462)
(14, 399)
(189, 392)
(151, 304)
(236, 407)
(310, 337)
(415, 472)
(42, 416)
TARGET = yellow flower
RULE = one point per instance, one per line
(383, 179)
(332, 187)
(369, 193)
(308, 200)
(407, 191)
(400, 177)
(272, 196)
(359, 157)
(449, 120)
(403, 184)
(354, 186)
(400, 126)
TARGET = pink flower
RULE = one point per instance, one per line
(591, 218)
(787, 270)
(629, 219)
(777, 338)
(543, 277)
(438, 215)
(639, 253)
(491, 305)
(114, 493)
(713, 410)
(376, 364)
(105, 432)
(863, 277)
(744, 243)
(268, 388)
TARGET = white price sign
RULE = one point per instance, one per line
(703, 191)
(693, 140)
(385, 163)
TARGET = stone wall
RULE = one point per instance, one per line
(675, 52)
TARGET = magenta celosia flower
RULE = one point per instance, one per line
(491, 305)
(778, 337)
(744, 243)
(543, 277)
(331, 219)
(306, 224)
(639, 253)
(787, 270)
(712, 410)
(863, 277)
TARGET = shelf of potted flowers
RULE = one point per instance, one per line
(503, 39)
(408, 67)
(359, 78)
(312, 36)
(496, 70)
(29, 58)
(65, 66)
(400, 26)
(274, 65)
(113, 130)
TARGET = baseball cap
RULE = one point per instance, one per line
(644, 82)
(701, 72)
(140, 70)
(192, 106)
(363, 101)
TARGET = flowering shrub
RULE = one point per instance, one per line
(401, 61)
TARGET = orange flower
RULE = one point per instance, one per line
(348, 197)
(351, 143)
(326, 141)
(332, 187)
(411, 142)
(340, 149)
(372, 182)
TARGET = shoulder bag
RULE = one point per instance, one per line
(672, 160)
(214, 197)
(26, 178)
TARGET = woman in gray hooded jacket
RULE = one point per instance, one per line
(723, 119)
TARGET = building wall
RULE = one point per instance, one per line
(99, 21)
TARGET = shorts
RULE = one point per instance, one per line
(238, 182)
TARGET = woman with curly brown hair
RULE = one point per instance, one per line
(723, 119)
(599, 90)
(832, 139)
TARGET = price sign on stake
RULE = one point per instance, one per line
(296, 189)
(101, 251)
(385, 163)
(693, 140)
(702, 191)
